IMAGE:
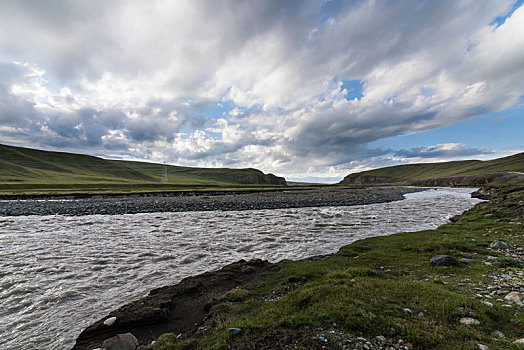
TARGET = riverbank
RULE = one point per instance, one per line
(200, 201)
(375, 292)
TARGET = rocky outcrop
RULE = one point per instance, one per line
(257, 179)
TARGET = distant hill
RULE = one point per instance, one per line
(467, 172)
(31, 168)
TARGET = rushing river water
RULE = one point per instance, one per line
(58, 274)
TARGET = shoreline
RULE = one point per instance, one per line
(201, 201)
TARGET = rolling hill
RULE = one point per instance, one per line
(35, 170)
(467, 172)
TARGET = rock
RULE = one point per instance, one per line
(519, 342)
(381, 338)
(407, 310)
(469, 321)
(515, 296)
(126, 341)
(444, 260)
(110, 321)
(466, 261)
(498, 245)
(487, 303)
(483, 347)
(498, 334)
(234, 330)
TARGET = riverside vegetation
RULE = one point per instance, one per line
(380, 292)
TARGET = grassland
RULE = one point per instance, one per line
(417, 172)
(29, 171)
(365, 289)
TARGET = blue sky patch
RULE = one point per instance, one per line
(354, 88)
(500, 19)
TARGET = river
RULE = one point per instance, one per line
(58, 274)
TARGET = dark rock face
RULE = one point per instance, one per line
(258, 179)
(181, 308)
(444, 260)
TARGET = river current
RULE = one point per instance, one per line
(58, 274)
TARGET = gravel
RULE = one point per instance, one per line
(195, 201)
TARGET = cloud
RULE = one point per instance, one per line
(442, 151)
(136, 79)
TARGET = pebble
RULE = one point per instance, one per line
(498, 334)
(469, 321)
(466, 261)
(487, 303)
(110, 321)
(483, 347)
(234, 330)
(444, 260)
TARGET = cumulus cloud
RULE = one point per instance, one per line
(130, 79)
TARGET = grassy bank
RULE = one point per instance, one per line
(384, 286)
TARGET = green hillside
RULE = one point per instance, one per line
(462, 171)
(29, 170)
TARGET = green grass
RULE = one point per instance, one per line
(365, 287)
(29, 171)
(411, 172)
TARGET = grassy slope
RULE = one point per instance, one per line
(364, 288)
(29, 170)
(412, 172)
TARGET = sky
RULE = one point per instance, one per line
(308, 90)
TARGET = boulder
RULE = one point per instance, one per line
(498, 245)
(444, 260)
(126, 341)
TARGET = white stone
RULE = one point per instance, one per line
(483, 347)
(110, 321)
(469, 320)
(515, 296)
(519, 342)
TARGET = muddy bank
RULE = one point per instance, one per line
(150, 203)
(179, 309)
